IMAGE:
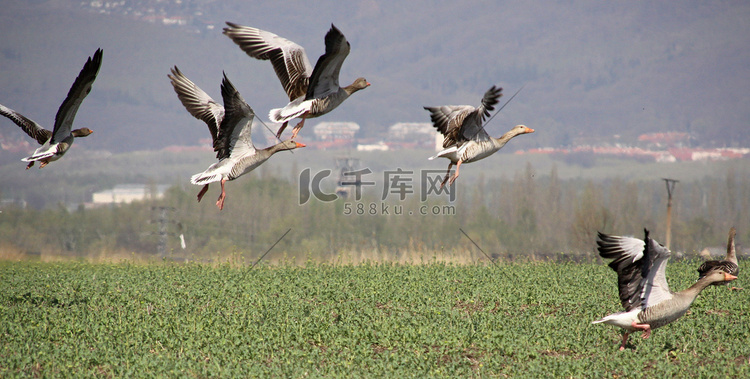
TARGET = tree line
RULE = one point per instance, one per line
(528, 216)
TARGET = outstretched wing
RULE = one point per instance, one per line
(325, 76)
(234, 133)
(655, 288)
(197, 102)
(31, 128)
(447, 119)
(461, 123)
(289, 60)
(81, 87)
(472, 128)
(627, 261)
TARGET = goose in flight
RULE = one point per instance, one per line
(56, 143)
(465, 139)
(230, 127)
(312, 92)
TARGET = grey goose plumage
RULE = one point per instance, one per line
(57, 142)
(312, 91)
(642, 284)
(729, 264)
(230, 127)
(464, 137)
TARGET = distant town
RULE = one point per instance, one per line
(180, 13)
(654, 147)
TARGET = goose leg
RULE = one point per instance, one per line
(220, 202)
(281, 129)
(447, 175)
(43, 163)
(30, 165)
(455, 176)
(298, 127)
(645, 327)
(202, 192)
(624, 340)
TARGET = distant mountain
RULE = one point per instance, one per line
(589, 68)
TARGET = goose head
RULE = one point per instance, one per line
(718, 276)
(290, 145)
(516, 131)
(360, 83)
(521, 129)
(83, 132)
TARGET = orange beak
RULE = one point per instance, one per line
(300, 144)
(368, 84)
(728, 277)
(529, 130)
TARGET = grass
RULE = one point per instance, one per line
(370, 320)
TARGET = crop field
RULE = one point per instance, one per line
(531, 319)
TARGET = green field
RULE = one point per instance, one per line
(371, 320)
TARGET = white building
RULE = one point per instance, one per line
(380, 146)
(127, 193)
(326, 131)
(421, 134)
(410, 130)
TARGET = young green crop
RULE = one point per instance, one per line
(370, 320)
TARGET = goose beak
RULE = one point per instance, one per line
(529, 130)
(300, 144)
(368, 84)
(728, 277)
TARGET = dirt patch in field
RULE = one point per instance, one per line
(469, 307)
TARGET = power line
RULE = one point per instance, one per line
(272, 246)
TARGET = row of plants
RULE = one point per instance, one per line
(367, 320)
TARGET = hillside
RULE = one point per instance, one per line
(589, 69)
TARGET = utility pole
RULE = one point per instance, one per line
(163, 221)
(670, 187)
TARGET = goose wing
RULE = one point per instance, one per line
(626, 254)
(728, 265)
(461, 123)
(447, 119)
(325, 76)
(655, 288)
(197, 102)
(289, 59)
(234, 133)
(31, 128)
(473, 126)
(81, 87)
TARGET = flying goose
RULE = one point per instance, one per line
(644, 293)
(57, 142)
(312, 92)
(230, 127)
(728, 265)
(465, 139)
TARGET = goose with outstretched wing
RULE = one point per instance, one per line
(312, 91)
(230, 126)
(464, 137)
(56, 143)
(642, 284)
